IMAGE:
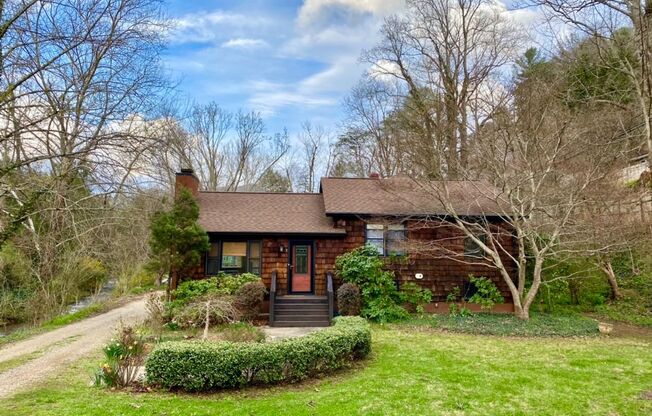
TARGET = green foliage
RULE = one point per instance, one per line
(415, 296)
(593, 74)
(349, 302)
(509, 325)
(123, 356)
(487, 294)
(16, 285)
(380, 298)
(249, 299)
(205, 366)
(222, 284)
(175, 235)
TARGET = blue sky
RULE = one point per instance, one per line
(291, 60)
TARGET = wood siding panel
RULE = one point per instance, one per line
(440, 275)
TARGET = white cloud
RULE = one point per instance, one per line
(211, 26)
(313, 11)
(245, 43)
(268, 103)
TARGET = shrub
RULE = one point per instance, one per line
(192, 289)
(156, 314)
(223, 284)
(487, 294)
(124, 355)
(380, 298)
(415, 296)
(348, 299)
(202, 366)
(229, 284)
(217, 309)
(249, 299)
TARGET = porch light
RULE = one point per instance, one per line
(282, 249)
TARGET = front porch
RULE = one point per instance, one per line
(300, 310)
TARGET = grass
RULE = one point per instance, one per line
(410, 372)
(509, 325)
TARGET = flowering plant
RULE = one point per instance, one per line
(124, 355)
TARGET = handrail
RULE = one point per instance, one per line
(272, 298)
(329, 291)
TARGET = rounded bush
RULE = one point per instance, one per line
(204, 366)
(249, 299)
(349, 302)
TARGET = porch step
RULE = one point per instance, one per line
(293, 323)
(288, 299)
(301, 311)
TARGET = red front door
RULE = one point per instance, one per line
(301, 268)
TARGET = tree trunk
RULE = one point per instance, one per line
(611, 277)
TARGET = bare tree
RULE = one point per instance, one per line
(446, 50)
(542, 167)
(316, 156)
(603, 23)
(209, 126)
(367, 143)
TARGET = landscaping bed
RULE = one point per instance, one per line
(509, 325)
(204, 366)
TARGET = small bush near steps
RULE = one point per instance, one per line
(349, 302)
(205, 366)
(249, 299)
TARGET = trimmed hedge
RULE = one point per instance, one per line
(203, 366)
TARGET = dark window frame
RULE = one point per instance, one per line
(385, 239)
(472, 249)
(247, 261)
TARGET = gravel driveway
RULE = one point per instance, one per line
(55, 349)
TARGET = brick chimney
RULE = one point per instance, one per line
(187, 179)
(374, 175)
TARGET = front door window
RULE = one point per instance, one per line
(300, 267)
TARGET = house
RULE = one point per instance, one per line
(292, 239)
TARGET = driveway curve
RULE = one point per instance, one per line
(60, 347)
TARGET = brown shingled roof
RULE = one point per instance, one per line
(404, 196)
(251, 212)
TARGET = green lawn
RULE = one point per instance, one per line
(503, 324)
(410, 372)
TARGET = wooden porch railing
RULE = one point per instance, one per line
(272, 298)
(329, 293)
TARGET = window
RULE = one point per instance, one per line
(234, 257)
(376, 237)
(471, 249)
(388, 239)
(213, 259)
